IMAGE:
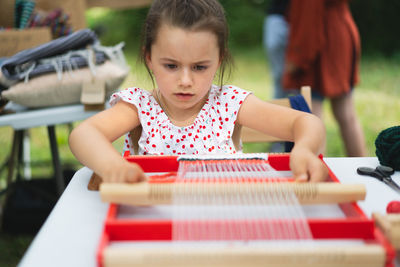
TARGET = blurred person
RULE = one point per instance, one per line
(275, 38)
(324, 52)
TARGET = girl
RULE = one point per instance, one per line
(184, 45)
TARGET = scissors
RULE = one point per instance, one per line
(382, 173)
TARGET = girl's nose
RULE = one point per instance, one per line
(186, 78)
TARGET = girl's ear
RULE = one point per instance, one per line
(148, 61)
(221, 59)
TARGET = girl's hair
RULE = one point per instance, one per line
(191, 15)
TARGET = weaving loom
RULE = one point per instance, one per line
(390, 226)
(236, 212)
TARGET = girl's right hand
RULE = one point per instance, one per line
(124, 172)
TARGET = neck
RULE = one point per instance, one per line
(180, 118)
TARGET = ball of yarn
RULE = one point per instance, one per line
(388, 147)
(393, 207)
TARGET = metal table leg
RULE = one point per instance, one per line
(60, 183)
(14, 157)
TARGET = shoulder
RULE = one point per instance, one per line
(228, 93)
(133, 91)
(132, 95)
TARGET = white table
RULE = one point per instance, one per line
(24, 119)
(29, 118)
(71, 233)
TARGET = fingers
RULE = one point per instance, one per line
(308, 168)
(318, 172)
(303, 177)
(300, 173)
(135, 174)
(126, 173)
(298, 165)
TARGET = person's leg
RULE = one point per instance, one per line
(352, 134)
(317, 104)
(275, 40)
(317, 107)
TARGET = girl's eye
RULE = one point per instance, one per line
(199, 67)
(170, 66)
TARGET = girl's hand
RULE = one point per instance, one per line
(124, 172)
(306, 166)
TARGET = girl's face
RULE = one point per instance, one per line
(184, 64)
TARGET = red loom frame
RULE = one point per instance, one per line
(356, 224)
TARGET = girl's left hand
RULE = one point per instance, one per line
(306, 166)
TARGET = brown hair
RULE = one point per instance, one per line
(191, 15)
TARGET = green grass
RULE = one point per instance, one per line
(12, 248)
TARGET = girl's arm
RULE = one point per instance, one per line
(91, 143)
(304, 129)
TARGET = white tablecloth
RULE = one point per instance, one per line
(30, 118)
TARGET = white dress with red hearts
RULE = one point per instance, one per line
(210, 133)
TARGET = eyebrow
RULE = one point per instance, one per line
(197, 63)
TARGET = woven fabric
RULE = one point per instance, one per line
(48, 90)
(13, 67)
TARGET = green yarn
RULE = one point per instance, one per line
(388, 147)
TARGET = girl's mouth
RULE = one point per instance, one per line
(184, 96)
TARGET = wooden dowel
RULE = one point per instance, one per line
(368, 255)
(390, 226)
(144, 193)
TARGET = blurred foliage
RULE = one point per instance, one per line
(245, 20)
(114, 26)
(377, 22)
